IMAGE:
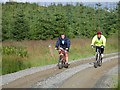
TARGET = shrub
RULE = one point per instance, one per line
(13, 63)
(12, 50)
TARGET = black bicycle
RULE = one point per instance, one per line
(98, 57)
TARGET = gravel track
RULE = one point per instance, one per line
(88, 78)
(56, 80)
(109, 80)
(7, 79)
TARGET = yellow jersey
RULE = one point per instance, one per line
(98, 42)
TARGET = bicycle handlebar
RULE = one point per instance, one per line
(93, 46)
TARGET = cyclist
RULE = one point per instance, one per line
(64, 43)
(99, 40)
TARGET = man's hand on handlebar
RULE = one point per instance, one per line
(102, 46)
(92, 46)
(98, 46)
(66, 48)
(56, 48)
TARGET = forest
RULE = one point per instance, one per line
(30, 21)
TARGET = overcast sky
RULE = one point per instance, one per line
(63, 0)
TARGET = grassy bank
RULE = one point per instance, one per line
(39, 53)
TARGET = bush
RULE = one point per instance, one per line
(13, 63)
(12, 50)
(14, 59)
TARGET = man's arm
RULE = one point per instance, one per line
(57, 43)
(68, 43)
(104, 41)
(93, 40)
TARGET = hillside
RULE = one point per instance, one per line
(21, 21)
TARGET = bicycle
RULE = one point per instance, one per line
(62, 58)
(98, 57)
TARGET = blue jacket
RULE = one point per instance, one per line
(64, 43)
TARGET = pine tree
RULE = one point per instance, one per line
(21, 28)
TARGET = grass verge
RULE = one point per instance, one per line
(40, 54)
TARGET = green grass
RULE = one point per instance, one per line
(39, 53)
(12, 63)
(117, 86)
(0, 58)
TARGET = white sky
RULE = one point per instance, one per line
(63, 0)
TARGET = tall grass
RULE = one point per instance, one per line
(14, 59)
(39, 52)
(13, 63)
(10, 50)
(0, 58)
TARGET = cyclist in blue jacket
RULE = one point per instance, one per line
(64, 43)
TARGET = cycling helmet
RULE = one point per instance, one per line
(99, 32)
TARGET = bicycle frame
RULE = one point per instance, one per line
(98, 53)
(98, 56)
(62, 59)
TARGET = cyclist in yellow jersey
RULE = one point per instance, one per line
(99, 40)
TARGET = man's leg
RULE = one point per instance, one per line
(96, 54)
(102, 51)
(66, 55)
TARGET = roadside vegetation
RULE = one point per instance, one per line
(18, 55)
(28, 31)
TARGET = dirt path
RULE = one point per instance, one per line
(29, 80)
(88, 77)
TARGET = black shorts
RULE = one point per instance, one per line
(102, 49)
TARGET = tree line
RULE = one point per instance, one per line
(30, 21)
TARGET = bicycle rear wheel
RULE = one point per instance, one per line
(66, 65)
